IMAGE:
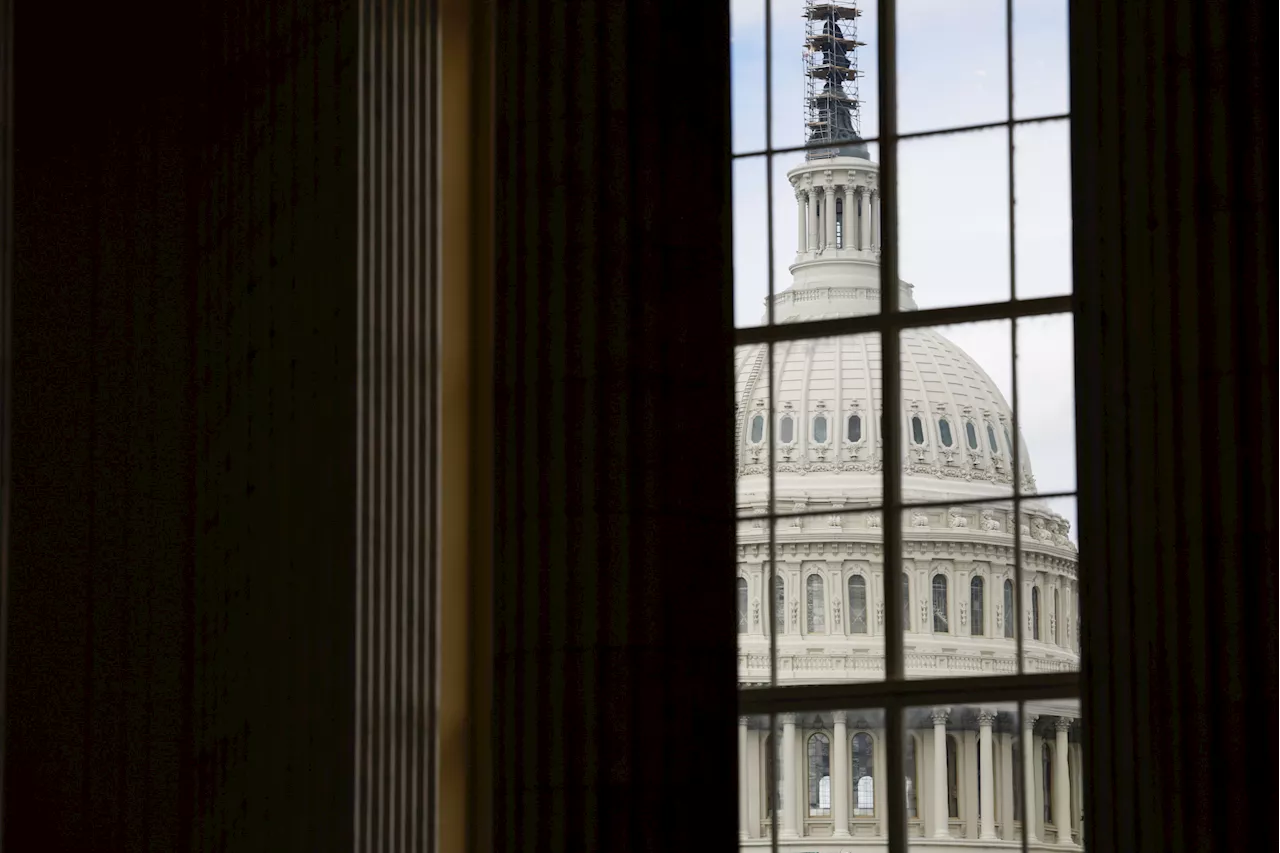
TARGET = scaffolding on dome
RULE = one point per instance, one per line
(831, 78)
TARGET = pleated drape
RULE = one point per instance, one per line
(1174, 168)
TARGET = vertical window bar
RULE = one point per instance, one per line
(776, 740)
(886, 58)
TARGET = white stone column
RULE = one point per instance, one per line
(840, 776)
(876, 236)
(802, 238)
(813, 219)
(987, 777)
(941, 821)
(864, 233)
(1061, 781)
(790, 803)
(1029, 778)
(849, 229)
(829, 214)
(743, 815)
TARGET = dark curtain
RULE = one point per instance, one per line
(614, 634)
(1175, 226)
(221, 565)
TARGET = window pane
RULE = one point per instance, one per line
(965, 774)
(831, 601)
(1046, 402)
(746, 73)
(742, 607)
(750, 242)
(1042, 186)
(820, 429)
(819, 782)
(948, 590)
(854, 433)
(951, 64)
(1040, 82)
(952, 374)
(948, 212)
(1050, 555)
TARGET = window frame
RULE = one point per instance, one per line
(895, 433)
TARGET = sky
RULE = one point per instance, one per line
(953, 188)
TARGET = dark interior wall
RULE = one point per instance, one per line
(221, 565)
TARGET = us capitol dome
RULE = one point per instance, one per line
(958, 570)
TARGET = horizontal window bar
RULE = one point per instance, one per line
(818, 146)
(892, 322)
(858, 510)
(909, 694)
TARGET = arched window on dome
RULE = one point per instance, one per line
(976, 588)
(909, 766)
(815, 605)
(1017, 789)
(864, 786)
(917, 429)
(742, 605)
(1035, 612)
(971, 434)
(771, 773)
(787, 429)
(839, 223)
(854, 429)
(857, 604)
(819, 775)
(906, 602)
(940, 604)
(1046, 771)
(991, 439)
(779, 605)
(820, 429)
(953, 778)
(757, 429)
(944, 432)
(1008, 609)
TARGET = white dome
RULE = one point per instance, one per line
(957, 426)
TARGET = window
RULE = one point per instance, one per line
(1035, 612)
(742, 605)
(757, 429)
(771, 772)
(858, 604)
(820, 429)
(779, 605)
(834, 342)
(815, 605)
(940, 604)
(975, 607)
(909, 763)
(953, 778)
(1017, 769)
(978, 776)
(864, 800)
(1007, 440)
(819, 775)
(1057, 620)
(906, 602)
(1046, 772)
(1008, 609)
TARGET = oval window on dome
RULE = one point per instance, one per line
(855, 428)
(971, 434)
(944, 432)
(820, 429)
(991, 439)
(1007, 440)
(787, 430)
(917, 430)
(757, 429)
